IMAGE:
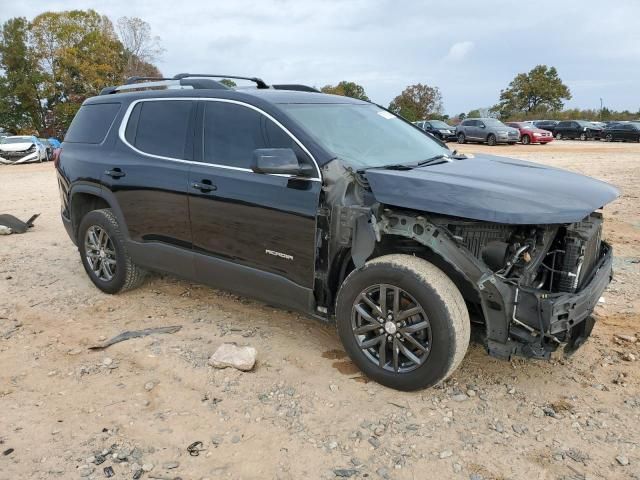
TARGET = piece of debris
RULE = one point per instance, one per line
(15, 225)
(149, 386)
(230, 355)
(345, 472)
(622, 460)
(195, 448)
(629, 357)
(108, 472)
(626, 338)
(135, 334)
(8, 451)
(5, 230)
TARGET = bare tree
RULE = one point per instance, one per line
(141, 47)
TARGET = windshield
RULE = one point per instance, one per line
(493, 122)
(584, 123)
(16, 140)
(364, 136)
(439, 124)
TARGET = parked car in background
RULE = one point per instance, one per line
(626, 132)
(548, 125)
(530, 134)
(439, 129)
(488, 130)
(48, 147)
(581, 129)
(22, 149)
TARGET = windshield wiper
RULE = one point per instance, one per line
(442, 158)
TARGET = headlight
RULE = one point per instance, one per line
(585, 129)
(31, 149)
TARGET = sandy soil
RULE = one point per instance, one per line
(305, 411)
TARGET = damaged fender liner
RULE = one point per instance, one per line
(552, 313)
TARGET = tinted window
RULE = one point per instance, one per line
(232, 132)
(564, 124)
(162, 128)
(91, 123)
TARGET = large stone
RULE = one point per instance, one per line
(229, 355)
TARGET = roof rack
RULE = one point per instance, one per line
(258, 81)
(196, 81)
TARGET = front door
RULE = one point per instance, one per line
(252, 233)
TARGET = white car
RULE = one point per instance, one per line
(22, 149)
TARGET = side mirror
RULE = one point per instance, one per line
(482, 125)
(281, 161)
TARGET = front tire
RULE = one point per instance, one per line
(584, 137)
(526, 139)
(609, 137)
(491, 140)
(558, 136)
(104, 254)
(403, 322)
(461, 138)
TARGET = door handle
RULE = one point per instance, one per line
(205, 186)
(115, 173)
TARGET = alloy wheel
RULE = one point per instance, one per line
(391, 328)
(100, 253)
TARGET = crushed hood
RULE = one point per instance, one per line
(493, 189)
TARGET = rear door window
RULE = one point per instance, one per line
(162, 128)
(92, 123)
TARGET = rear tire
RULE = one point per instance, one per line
(491, 140)
(461, 138)
(435, 316)
(526, 140)
(558, 136)
(608, 138)
(106, 259)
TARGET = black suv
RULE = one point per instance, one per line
(577, 129)
(438, 129)
(624, 131)
(338, 208)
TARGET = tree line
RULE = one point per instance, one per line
(51, 64)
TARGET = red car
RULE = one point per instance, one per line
(530, 134)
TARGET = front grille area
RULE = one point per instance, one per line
(580, 253)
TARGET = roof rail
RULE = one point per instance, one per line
(296, 87)
(258, 81)
(132, 84)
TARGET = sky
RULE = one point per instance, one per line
(469, 49)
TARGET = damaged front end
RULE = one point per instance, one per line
(533, 286)
(536, 285)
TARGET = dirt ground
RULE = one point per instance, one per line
(305, 411)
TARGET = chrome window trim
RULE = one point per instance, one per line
(125, 120)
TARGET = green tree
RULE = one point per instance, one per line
(346, 89)
(475, 113)
(539, 90)
(417, 102)
(21, 108)
(228, 82)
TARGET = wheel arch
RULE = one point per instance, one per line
(84, 198)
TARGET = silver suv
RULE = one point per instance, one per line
(488, 130)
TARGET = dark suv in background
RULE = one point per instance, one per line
(438, 129)
(337, 208)
(577, 129)
(548, 125)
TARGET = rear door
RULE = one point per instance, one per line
(148, 173)
(252, 233)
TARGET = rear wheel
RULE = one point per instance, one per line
(491, 140)
(403, 322)
(526, 139)
(609, 137)
(558, 136)
(104, 254)
(461, 138)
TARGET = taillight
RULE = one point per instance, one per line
(56, 157)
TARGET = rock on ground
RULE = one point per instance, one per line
(229, 355)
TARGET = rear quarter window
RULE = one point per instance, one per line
(92, 123)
